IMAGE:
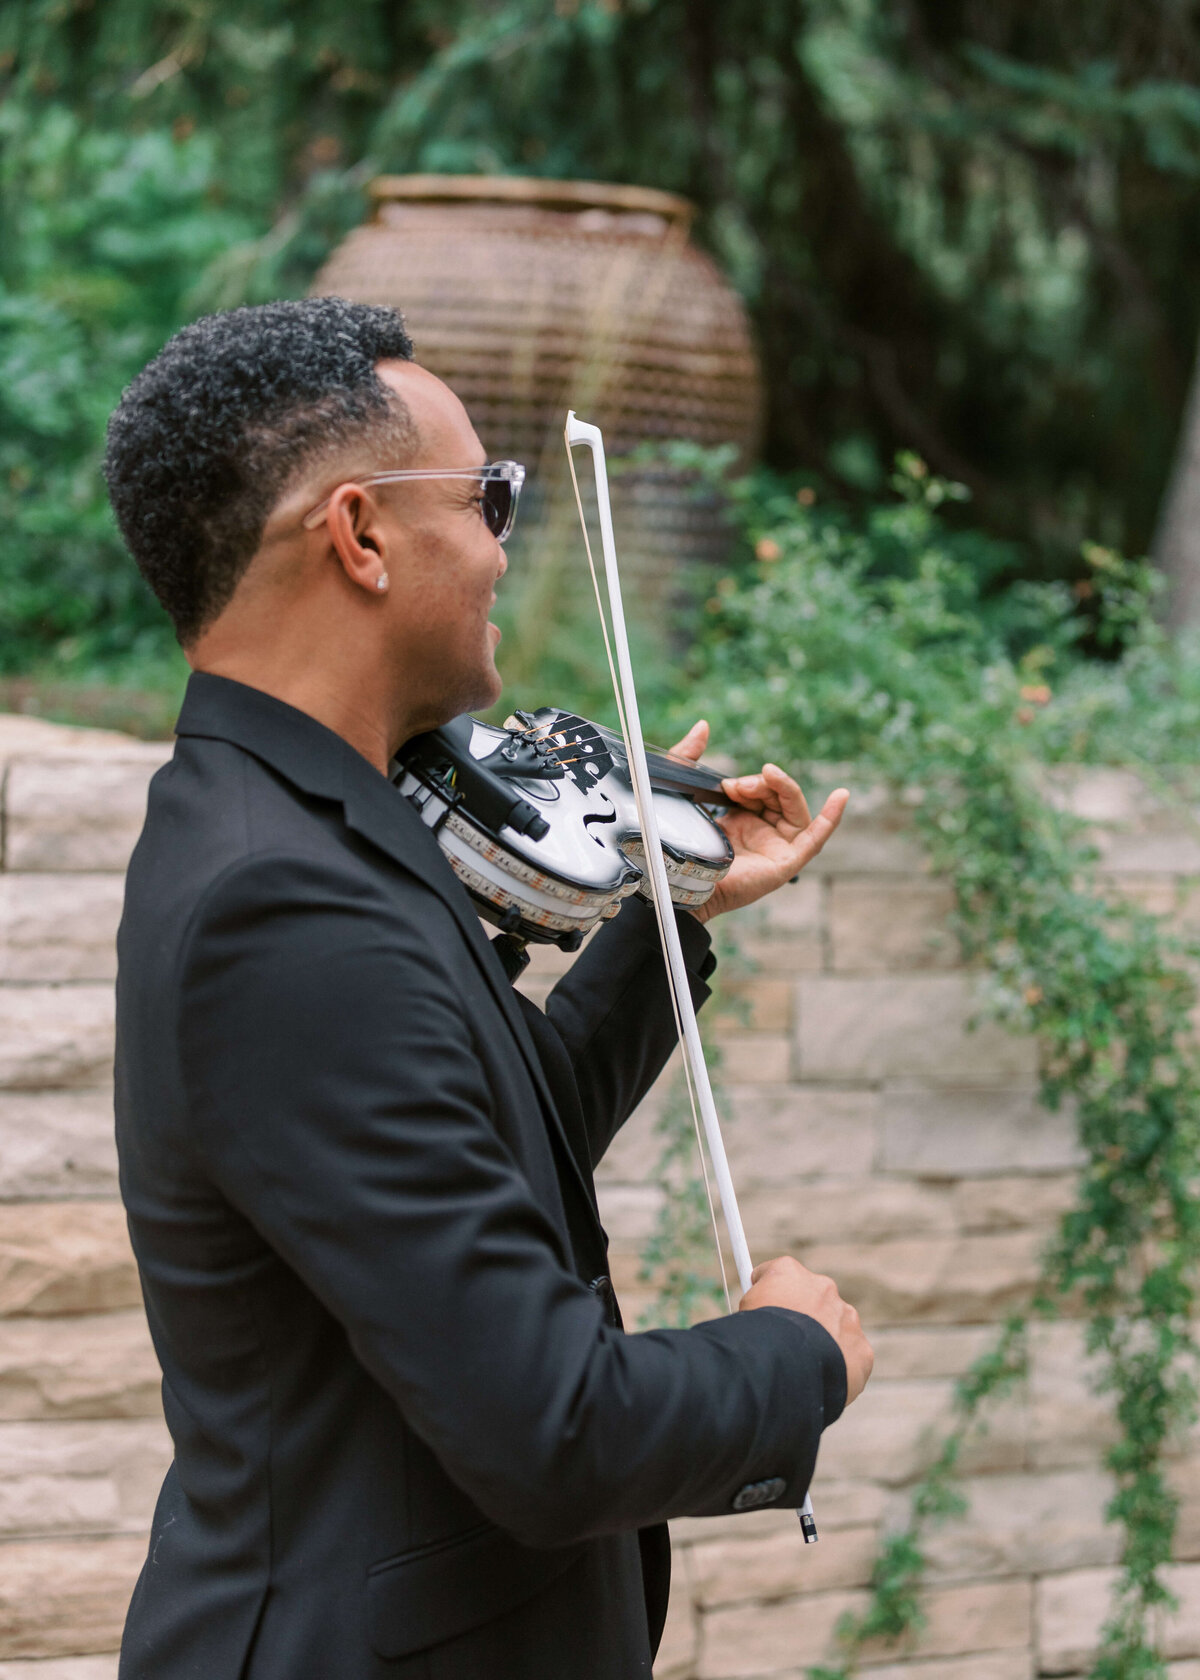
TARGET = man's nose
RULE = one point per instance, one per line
(503, 564)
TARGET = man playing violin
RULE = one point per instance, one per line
(411, 1438)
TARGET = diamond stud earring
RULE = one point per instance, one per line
(381, 582)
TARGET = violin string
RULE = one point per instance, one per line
(660, 910)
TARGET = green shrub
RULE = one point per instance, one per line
(883, 638)
(106, 241)
(880, 644)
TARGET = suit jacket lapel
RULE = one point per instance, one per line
(383, 816)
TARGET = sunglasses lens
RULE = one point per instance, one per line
(499, 506)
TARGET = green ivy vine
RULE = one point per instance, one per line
(1102, 987)
(883, 643)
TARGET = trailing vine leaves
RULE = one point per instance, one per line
(895, 1607)
(874, 643)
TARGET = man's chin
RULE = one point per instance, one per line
(483, 693)
(494, 690)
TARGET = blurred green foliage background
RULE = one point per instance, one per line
(964, 228)
(966, 232)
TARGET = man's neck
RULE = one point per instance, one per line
(315, 693)
(347, 695)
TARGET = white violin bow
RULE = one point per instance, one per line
(695, 1066)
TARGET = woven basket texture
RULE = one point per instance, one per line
(529, 298)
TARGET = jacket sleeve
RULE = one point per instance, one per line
(337, 1100)
(613, 1012)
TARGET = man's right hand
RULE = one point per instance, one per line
(786, 1283)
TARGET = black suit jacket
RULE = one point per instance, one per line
(411, 1439)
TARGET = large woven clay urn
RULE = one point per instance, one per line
(530, 297)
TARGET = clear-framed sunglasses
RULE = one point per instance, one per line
(500, 481)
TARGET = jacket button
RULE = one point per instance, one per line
(755, 1494)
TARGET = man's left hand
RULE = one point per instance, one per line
(772, 835)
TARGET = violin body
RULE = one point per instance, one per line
(537, 819)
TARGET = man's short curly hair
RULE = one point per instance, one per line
(212, 431)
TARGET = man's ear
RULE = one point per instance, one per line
(356, 530)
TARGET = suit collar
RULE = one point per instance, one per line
(320, 762)
(315, 759)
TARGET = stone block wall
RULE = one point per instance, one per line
(872, 1131)
(82, 1442)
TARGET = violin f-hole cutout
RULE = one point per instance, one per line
(600, 819)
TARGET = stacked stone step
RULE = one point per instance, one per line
(871, 1131)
